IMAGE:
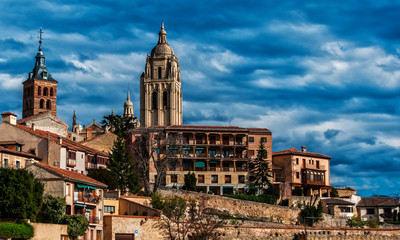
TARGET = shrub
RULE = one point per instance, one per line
(298, 192)
(372, 224)
(355, 223)
(77, 224)
(310, 212)
(16, 231)
(334, 192)
(190, 182)
(156, 201)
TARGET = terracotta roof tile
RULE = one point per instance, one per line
(378, 202)
(24, 154)
(9, 113)
(65, 141)
(294, 151)
(71, 175)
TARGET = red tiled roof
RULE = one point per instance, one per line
(294, 151)
(336, 201)
(378, 202)
(9, 113)
(65, 141)
(71, 175)
(23, 120)
(23, 154)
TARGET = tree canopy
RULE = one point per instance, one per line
(21, 195)
(105, 176)
(123, 168)
(260, 169)
(53, 210)
(119, 125)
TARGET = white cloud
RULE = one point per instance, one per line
(7, 81)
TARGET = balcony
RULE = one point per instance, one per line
(91, 165)
(87, 198)
(71, 162)
(94, 220)
(313, 177)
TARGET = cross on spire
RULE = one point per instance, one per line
(40, 39)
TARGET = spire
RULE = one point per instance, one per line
(74, 120)
(40, 56)
(112, 111)
(128, 97)
(40, 39)
(162, 35)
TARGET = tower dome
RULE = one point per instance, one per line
(162, 47)
(128, 107)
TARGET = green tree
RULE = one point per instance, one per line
(190, 182)
(77, 224)
(334, 192)
(122, 166)
(21, 195)
(261, 170)
(119, 125)
(105, 176)
(311, 212)
(53, 210)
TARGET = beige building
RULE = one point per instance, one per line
(83, 195)
(160, 86)
(218, 155)
(12, 156)
(295, 169)
(379, 209)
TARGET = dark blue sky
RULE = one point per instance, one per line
(324, 74)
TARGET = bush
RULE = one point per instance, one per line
(15, 230)
(311, 213)
(334, 192)
(53, 209)
(77, 224)
(372, 224)
(190, 182)
(355, 223)
(156, 201)
(263, 198)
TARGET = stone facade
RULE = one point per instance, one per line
(46, 231)
(160, 86)
(146, 227)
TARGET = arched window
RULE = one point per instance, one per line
(154, 101)
(45, 91)
(159, 72)
(51, 91)
(165, 100)
(41, 103)
(39, 91)
(48, 104)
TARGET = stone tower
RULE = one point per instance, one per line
(128, 107)
(160, 86)
(40, 89)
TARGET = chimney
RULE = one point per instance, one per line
(33, 126)
(303, 148)
(60, 140)
(88, 133)
(9, 117)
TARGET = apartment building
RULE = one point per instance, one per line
(294, 169)
(83, 195)
(218, 155)
(50, 148)
(12, 156)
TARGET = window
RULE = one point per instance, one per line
(154, 101)
(109, 209)
(251, 139)
(346, 209)
(17, 164)
(19, 148)
(48, 104)
(44, 75)
(297, 161)
(317, 162)
(72, 155)
(251, 153)
(242, 179)
(212, 153)
(225, 153)
(165, 100)
(200, 178)
(370, 211)
(228, 179)
(41, 103)
(68, 209)
(214, 178)
(263, 139)
(67, 189)
(5, 162)
(159, 73)
(45, 91)
(297, 175)
(174, 178)
(39, 91)
(51, 92)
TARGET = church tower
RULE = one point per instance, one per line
(160, 86)
(40, 89)
(128, 107)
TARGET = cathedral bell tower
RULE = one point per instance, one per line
(40, 89)
(160, 86)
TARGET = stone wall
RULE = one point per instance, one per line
(47, 231)
(239, 208)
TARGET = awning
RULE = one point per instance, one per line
(213, 162)
(199, 148)
(227, 187)
(200, 164)
(187, 148)
(85, 186)
(80, 205)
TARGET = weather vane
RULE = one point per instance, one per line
(40, 37)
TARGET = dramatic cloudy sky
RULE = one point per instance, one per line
(324, 74)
